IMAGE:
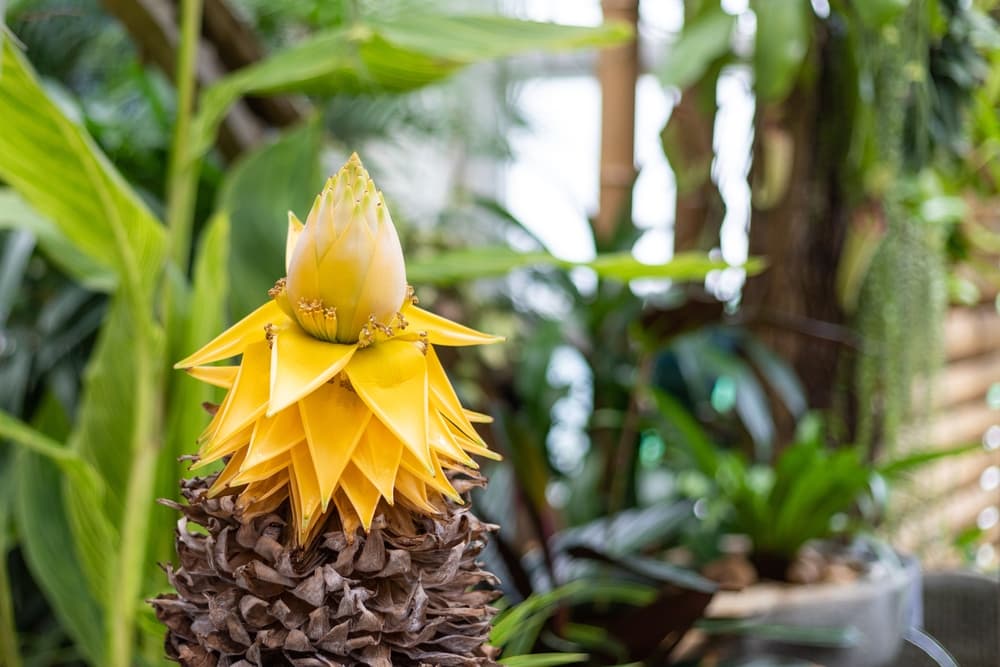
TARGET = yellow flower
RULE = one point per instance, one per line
(346, 267)
(339, 395)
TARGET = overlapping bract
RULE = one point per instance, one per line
(321, 421)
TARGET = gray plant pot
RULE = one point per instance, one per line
(877, 609)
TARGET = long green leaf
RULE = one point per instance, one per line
(186, 418)
(456, 266)
(84, 491)
(390, 55)
(51, 554)
(114, 431)
(509, 627)
(684, 431)
(46, 538)
(907, 462)
(56, 168)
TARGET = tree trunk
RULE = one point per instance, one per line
(798, 222)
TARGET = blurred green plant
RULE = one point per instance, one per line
(808, 492)
(616, 604)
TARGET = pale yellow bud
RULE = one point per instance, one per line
(346, 271)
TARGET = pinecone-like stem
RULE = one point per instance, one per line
(409, 592)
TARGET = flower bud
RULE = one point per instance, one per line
(346, 275)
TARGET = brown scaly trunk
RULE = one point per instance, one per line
(798, 222)
(410, 592)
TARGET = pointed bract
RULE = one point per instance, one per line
(235, 339)
(442, 331)
(300, 364)
(391, 378)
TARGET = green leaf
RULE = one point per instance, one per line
(684, 430)
(702, 41)
(902, 464)
(877, 13)
(779, 376)
(186, 418)
(103, 429)
(257, 194)
(647, 568)
(682, 267)
(46, 539)
(50, 552)
(56, 167)
(84, 492)
(16, 213)
(67, 460)
(784, 30)
(544, 659)
(467, 39)
(389, 55)
(116, 431)
(517, 627)
(456, 266)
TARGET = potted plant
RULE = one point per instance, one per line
(792, 543)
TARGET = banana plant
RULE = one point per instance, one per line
(84, 500)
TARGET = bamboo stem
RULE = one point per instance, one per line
(618, 73)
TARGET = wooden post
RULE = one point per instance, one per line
(617, 72)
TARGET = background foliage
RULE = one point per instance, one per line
(136, 226)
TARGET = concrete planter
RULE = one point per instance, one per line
(879, 606)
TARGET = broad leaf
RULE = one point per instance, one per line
(702, 41)
(114, 431)
(390, 55)
(84, 491)
(56, 167)
(258, 193)
(46, 539)
(204, 318)
(16, 213)
(104, 422)
(784, 31)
